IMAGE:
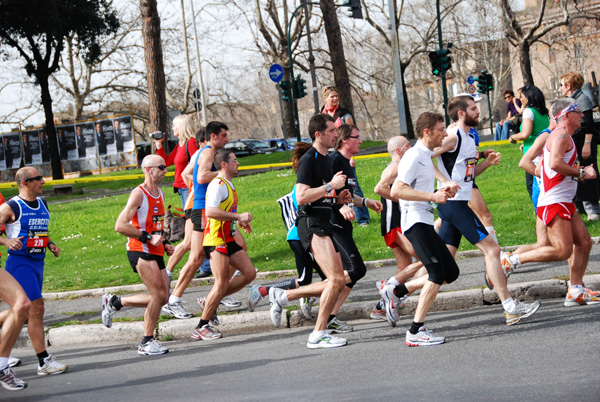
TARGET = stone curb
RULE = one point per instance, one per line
(260, 321)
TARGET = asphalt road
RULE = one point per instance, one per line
(550, 357)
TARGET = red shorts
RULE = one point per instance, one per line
(564, 210)
(390, 237)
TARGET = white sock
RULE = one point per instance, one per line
(576, 290)
(514, 258)
(492, 232)
(317, 334)
(393, 281)
(509, 305)
(284, 297)
(3, 363)
(174, 299)
(169, 274)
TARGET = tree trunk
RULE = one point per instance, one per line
(336, 51)
(410, 132)
(155, 71)
(57, 172)
(525, 59)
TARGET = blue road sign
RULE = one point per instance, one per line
(276, 73)
(470, 80)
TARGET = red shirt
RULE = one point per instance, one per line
(179, 158)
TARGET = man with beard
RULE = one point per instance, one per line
(457, 165)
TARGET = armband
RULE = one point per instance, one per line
(481, 155)
(50, 243)
(165, 242)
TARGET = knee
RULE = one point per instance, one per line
(22, 307)
(250, 274)
(37, 311)
(564, 251)
(493, 251)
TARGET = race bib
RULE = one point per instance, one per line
(36, 242)
(470, 172)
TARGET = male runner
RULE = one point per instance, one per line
(568, 237)
(316, 194)
(457, 164)
(26, 219)
(142, 221)
(414, 186)
(219, 242)
(200, 171)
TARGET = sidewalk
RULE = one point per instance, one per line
(530, 282)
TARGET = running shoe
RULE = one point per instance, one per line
(335, 326)
(51, 366)
(306, 305)
(177, 310)
(9, 380)
(108, 311)
(206, 333)
(229, 301)
(152, 348)
(381, 284)
(325, 341)
(522, 310)
(254, 297)
(391, 304)
(13, 361)
(378, 314)
(507, 266)
(587, 296)
(277, 304)
(214, 320)
(424, 337)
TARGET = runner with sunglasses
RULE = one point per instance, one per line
(142, 221)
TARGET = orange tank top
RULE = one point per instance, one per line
(149, 217)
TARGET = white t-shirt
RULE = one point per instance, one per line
(416, 170)
(528, 114)
(459, 165)
(216, 193)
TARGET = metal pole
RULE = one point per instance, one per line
(311, 58)
(294, 100)
(397, 69)
(444, 90)
(490, 113)
(287, 157)
(199, 73)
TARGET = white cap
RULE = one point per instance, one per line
(476, 97)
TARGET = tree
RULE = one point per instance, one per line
(37, 29)
(153, 56)
(523, 37)
(336, 52)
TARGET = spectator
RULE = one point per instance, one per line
(504, 126)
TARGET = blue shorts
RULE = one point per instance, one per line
(459, 220)
(29, 272)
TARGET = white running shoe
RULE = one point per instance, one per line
(176, 310)
(391, 304)
(108, 311)
(424, 337)
(254, 297)
(229, 301)
(277, 304)
(13, 361)
(214, 320)
(9, 380)
(325, 341)
(306, 304)
(51, 366)
(152, 348)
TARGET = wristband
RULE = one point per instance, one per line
(165, 242)
(365, 199)
(588, 142)
(50, 243)
(581, 173)
(145, 236)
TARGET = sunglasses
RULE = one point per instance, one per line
(37, 178)
(160, 167)
(354, 136)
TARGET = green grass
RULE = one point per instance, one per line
(93, 255)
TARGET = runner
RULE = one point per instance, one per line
(142, 221)
(26, 220)
(219, 242)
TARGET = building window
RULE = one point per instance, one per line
(429, 93)
(578, 51)
(551, 57)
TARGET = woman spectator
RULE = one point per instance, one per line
(181, 154)
(535, 120)
(586, 144)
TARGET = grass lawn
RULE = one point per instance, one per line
(93, 254)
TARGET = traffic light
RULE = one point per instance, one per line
(299, 87)
(445, 59)
(490, 82)
(482, 84)
(286, 95)
(355, 9)
(436, 64)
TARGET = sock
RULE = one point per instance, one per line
(393, 281)
(174, 299)
(116, 303)
(316, 335)
(414, 328)
(378, 306)
(509, 305)
(284, 298)
(437, 230)
(3, 363)
(575, 290)
(41, 356)
(202, 323)
(514, 258)
(169, 274)
(401, 290)
(492, 232)
(331, 317)
(287, 284)
(146, 339)
(264, 291)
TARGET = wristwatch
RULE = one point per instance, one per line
(581, 173)
(328, 187)
(145, 236)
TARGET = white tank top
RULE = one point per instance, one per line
(556, 187)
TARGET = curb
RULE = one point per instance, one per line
(260, 321)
